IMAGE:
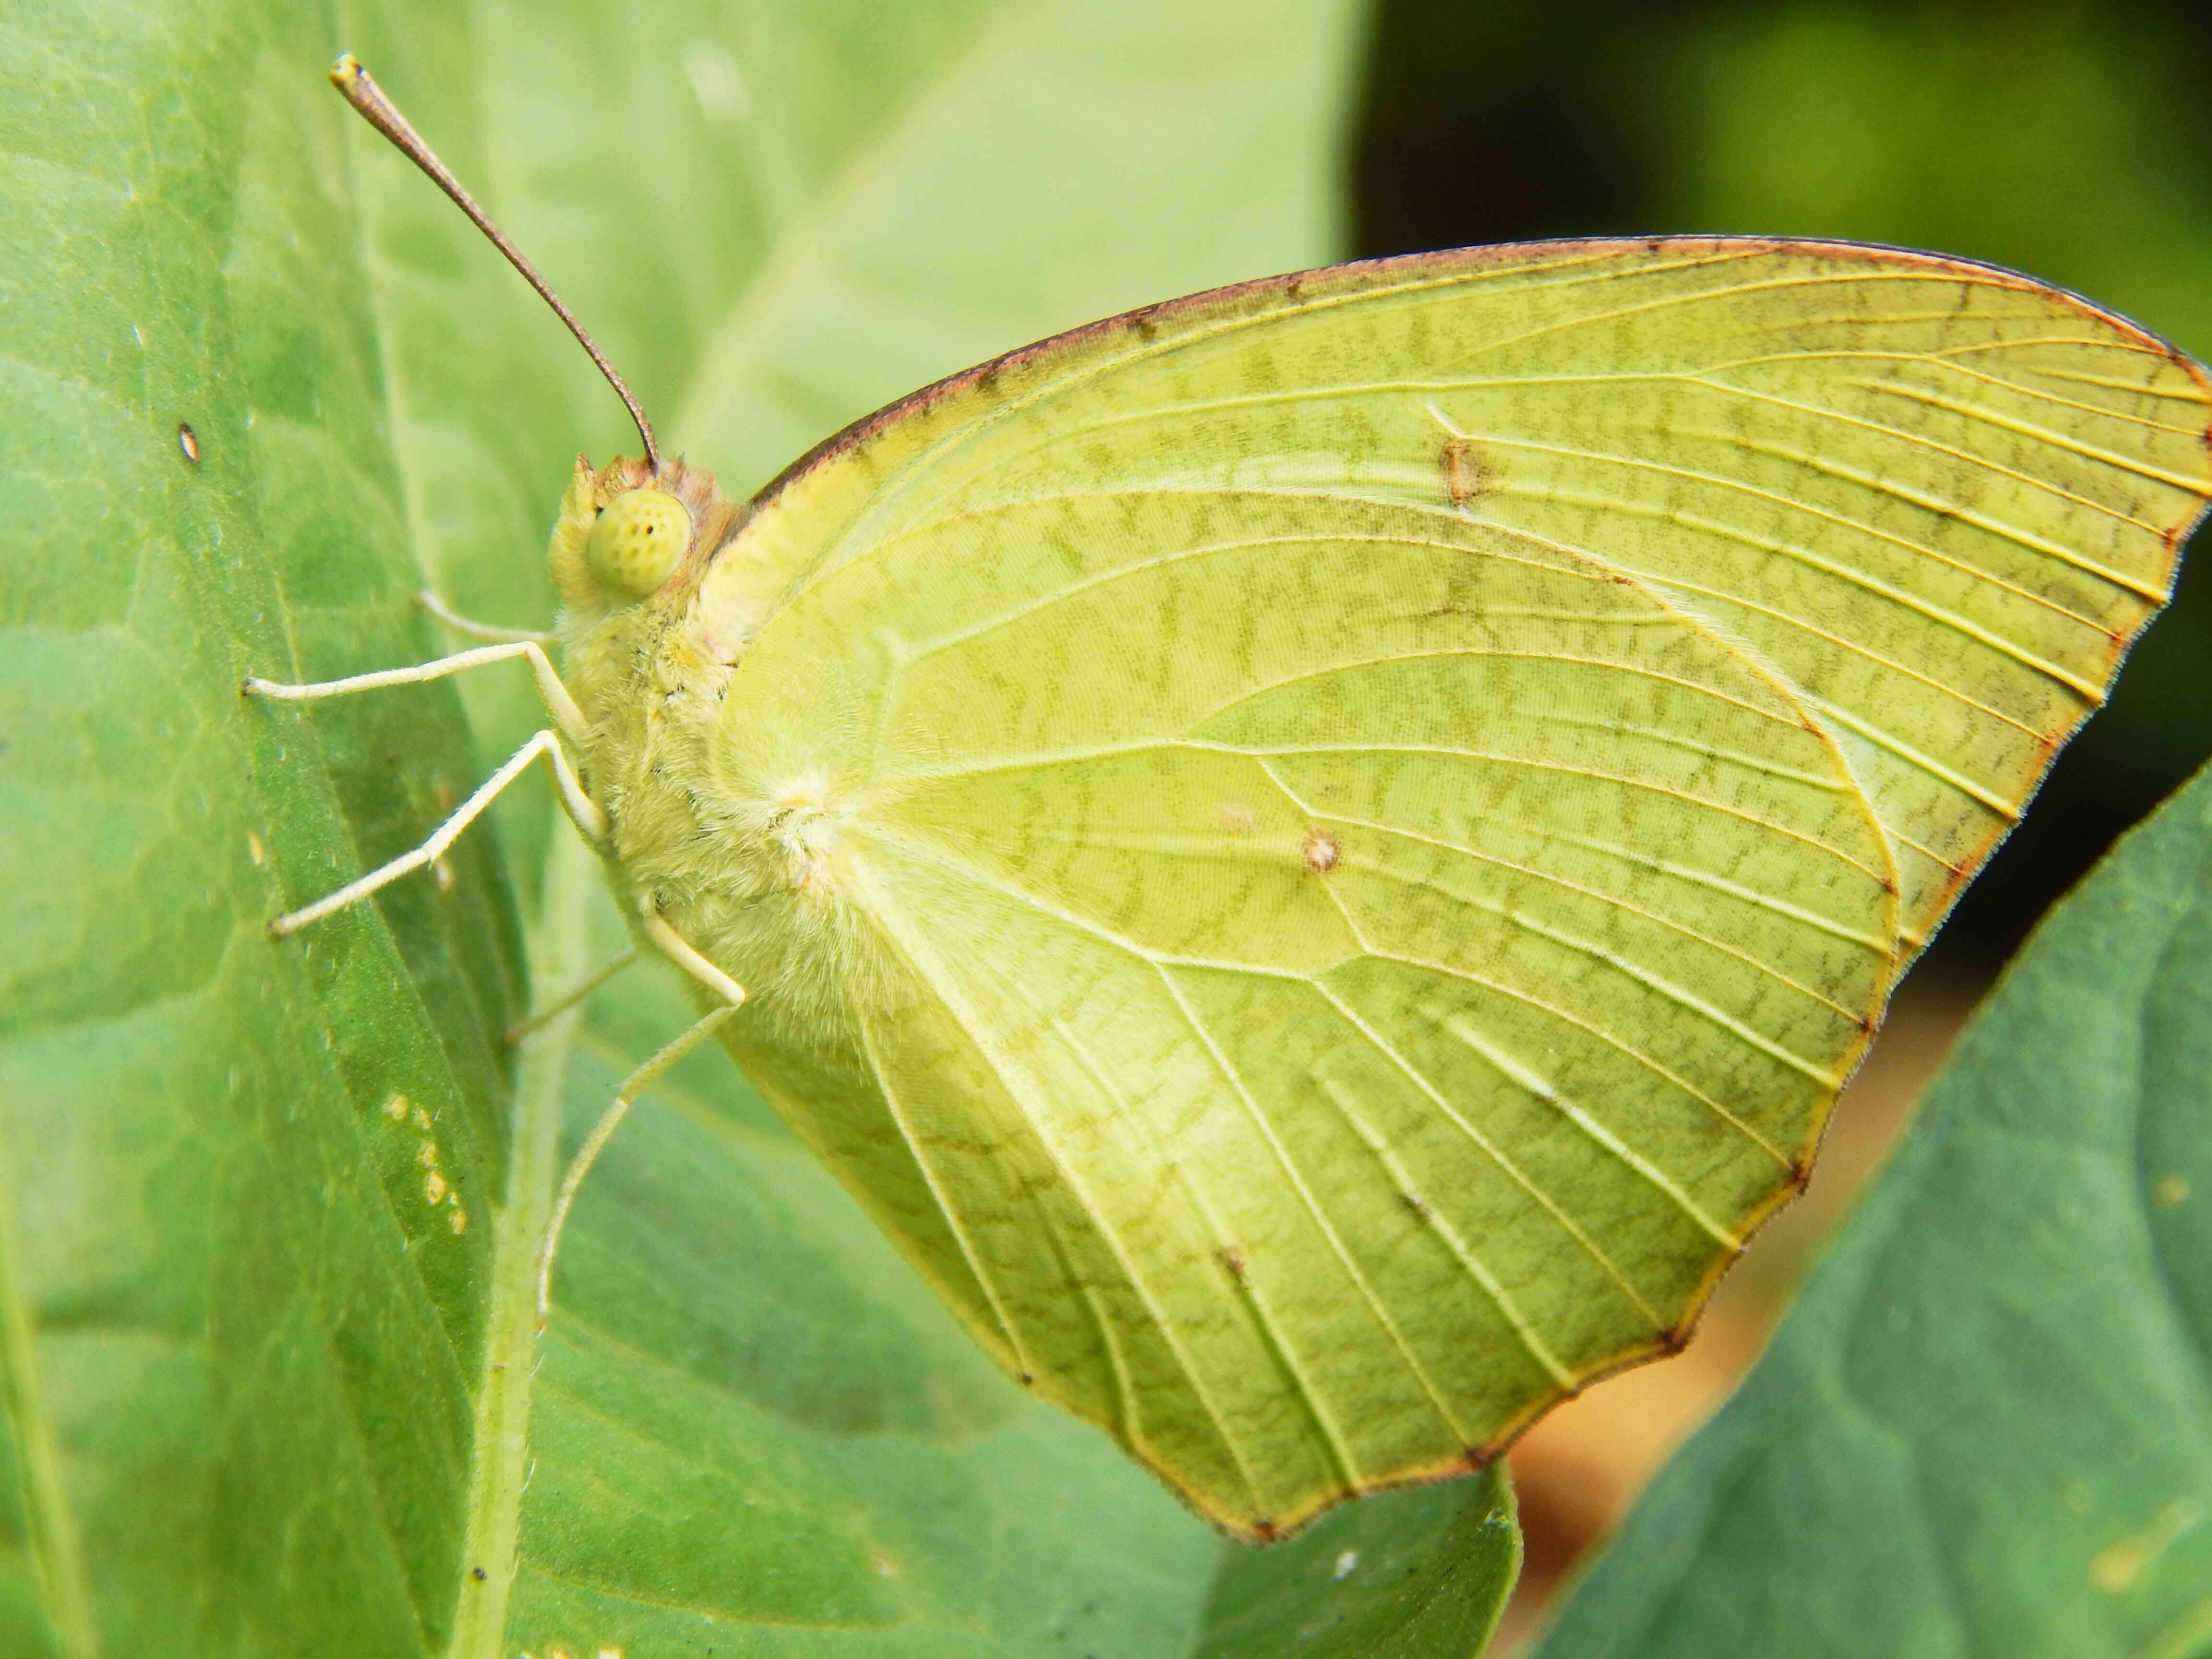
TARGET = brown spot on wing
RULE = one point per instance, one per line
(1321, 851)
(1463, 479)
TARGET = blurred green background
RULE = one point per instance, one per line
(2070, 141)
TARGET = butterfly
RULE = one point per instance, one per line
(1318, 854)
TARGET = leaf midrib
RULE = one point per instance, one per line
(53, 1528)
(501, 1439)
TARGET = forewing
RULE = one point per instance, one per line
(1378, 809)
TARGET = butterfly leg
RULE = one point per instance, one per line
(447, 616)
(680, 952)
(581, 808)
(558, 702)
(569, 998)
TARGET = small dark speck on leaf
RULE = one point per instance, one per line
(189, 441)
(478, 1574)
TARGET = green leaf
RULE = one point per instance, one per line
(1986, 1427)
(1424, 1572)
(266, 1390)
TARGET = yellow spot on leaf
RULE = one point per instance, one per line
(434, 1187)
(459, 1222)
(2171, 1190)
(2117, 1566)
(256, 848)
(1321, 851)
(396, 1109)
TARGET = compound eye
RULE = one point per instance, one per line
(637, 542)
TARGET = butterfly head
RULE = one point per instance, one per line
(629, 533)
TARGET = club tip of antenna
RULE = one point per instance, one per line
(345, 71)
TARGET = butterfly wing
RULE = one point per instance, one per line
(1371, 813)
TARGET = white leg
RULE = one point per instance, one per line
(447, 615)
(679, 950)
(602, 1132)
(673, 945)
(581, 808)
(570, 998)
(558, 702)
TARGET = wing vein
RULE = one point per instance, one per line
(1498, 909)
(1673, 993)
(1107, 1232)
(1520, 1177)
(1382, 1315)
(2197, 487)
(1258, 751)
(2007, 810)
(1526, 1078)
(1463, 1254)
(1698, 524)
(937, 1196)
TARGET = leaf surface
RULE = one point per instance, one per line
(1424, 1572)
(248, 1350)
(1986, 1426)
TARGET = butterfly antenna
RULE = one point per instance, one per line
(365, 95)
